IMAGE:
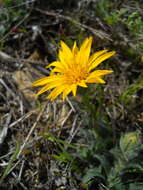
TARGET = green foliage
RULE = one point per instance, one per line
(103, 8)
(8, 2)
(115, 16)
(125, 159)
(110, 15)
(134, 23)
(112, 168)
(92, 173)
(124, 156)
(62, 154)
(127, 17)
(130, 92)
(128, 144)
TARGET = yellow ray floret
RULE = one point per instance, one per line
(75, 67)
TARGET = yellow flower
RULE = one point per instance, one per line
(74, 68)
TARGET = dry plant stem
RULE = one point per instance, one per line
(7, 58)
(7, 88)
(23, 118)
(54, 111)
(73, 130)
(31, 131)
(5, 156)
(68, 115)
(72, 107)
(21, 170)
(74, 125)
(3, 164)
(14, 166)
(22, 185)
(26, 62)
(99, 33)
(4, 129)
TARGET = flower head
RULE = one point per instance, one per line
(75, 67)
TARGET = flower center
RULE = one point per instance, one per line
(75, 75)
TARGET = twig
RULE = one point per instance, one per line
(7, 58)
(21, 170)
(31, 131)
(4, 129)
(22, 118)
(72, 107)
(22, 185)
(73, 125)
(7, 88)
(96, 32)
(73, 130)
(68, 115)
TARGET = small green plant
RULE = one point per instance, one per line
(128, 95)
(62, 152)
(134, 23)
(99, 166)
(115, 16)
(111, 168)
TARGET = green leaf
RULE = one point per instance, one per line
(129, 143)
(129, 93)
(54, 139)
(92, 173)
(113, 178)
(63, 155)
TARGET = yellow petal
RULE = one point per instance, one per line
(74, 89)
(95, 55)
(100, 59)
(66, 91)
(82, 84)
(66, 50)
(44, 89)
(65, 59)
(59, 67)
(99, 73)
(40, 82)
(74, 49)
(58, 70)
(84, 52)
(87, 43)
(50, 85)
(54, 64)
(56, 92)
(48, 79)
(95, 80)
